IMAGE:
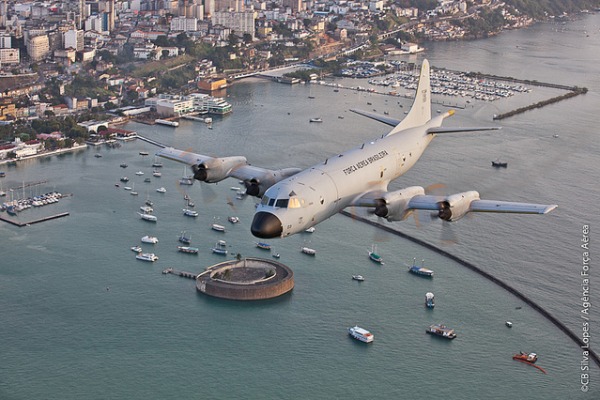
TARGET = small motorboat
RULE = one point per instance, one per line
(358, 278)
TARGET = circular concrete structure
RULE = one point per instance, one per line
(246, 279)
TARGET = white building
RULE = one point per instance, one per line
(74, 39)
(184, 24)
(240, 22)
(9, 56)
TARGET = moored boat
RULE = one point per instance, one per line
(233, 220)
(184, 239)
(218, 228)
(136, 249)
(441, 330)
(150, 239)
(317, 119)
(499, 164)
(147, 257)
(527, 357)
(188, 249)
(190, 213)
(220, 248)
(161, 190)
(374, 256)
(415, 269)
(361, 334)
(308, 250)
(148, 217)
(429, 300)
(358, 278)
(264, 246)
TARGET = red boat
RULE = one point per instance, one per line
(530, 359)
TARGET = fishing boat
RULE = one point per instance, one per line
(420, 270)
(220, 248)
(526, 357)
(147, 257)
(148, 217)
(359, 278)
(264, 246)
(190, 213)
(184, 239)
(361, 334)
(150, 239)
(441, 330)
(188, 249)
(429, 300)
(374, 256)
(308, 250)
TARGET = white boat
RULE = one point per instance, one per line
(218, 228)
(150, 239)
(161, 190)
(220, 248)
(188, 249)
(146, 209)
(233, 220)
(358, 278)
(156, 174)
(136, 249)
(308, 250)
(361, 334)
(317, 119)
(148, 217)
(310, 230)
(147, 257)
(139, 173)
(429, 300)
(190, 213)
(166, 122)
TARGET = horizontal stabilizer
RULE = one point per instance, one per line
(510, 207)
(442, 129)
(378, 117)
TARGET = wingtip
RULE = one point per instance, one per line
(550, 208)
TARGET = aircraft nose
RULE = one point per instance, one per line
(266, 225)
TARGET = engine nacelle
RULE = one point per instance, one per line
(258, 185)
(456, 206)
(394, 205)
(216, 169)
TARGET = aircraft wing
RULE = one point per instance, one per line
(378, 117)
(510, 207)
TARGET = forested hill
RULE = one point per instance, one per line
(540, 9)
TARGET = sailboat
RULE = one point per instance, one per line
(133, 192)
(184, 239)
(374, 256)
(185, 179)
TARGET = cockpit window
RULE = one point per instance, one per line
(282, 203)
(295, 202)
(265, 201)
(271, 202)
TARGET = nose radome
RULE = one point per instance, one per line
(266, 225)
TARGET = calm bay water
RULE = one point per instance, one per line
(83, 319)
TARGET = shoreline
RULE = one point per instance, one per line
(44, 154)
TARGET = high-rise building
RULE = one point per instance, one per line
(38, 47)
(74, 39)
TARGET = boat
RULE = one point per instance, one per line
(166, 122)
(441, 330)
(527, 357)
(186, 180)
(308, 250)
(124, 179)
(508, 324)
(148, 217)
(310, 230)
(316, 119)
(139, 173)
(276, 255)
(147, 180)
(161, 190)
(220, 248)
(184, 239)
(136, 249)
(156, 174)
(374, 256)
(218, 228)
(499, 164)
(157, 164)
(429, 300)
(146, 209)
(358, 278)
(147, 257)
(420, 270)
(150, 239)
(361, 334)
(190, 213)
(188, 249)
(127, 187)
(264, 246)
(143, 153)
(133, 192)
(123, 165)
(98, 155)
(191, 204)
(233, 220)
(149, 202)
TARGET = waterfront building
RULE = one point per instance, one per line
(211, 84)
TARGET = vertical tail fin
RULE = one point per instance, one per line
(420, 112)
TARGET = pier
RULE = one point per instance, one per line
(35, 221)
(488, 276)
(182, 274)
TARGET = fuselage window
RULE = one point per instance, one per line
(282, 203)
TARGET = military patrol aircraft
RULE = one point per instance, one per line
(294, 200)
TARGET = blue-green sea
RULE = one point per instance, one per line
(81, 318)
